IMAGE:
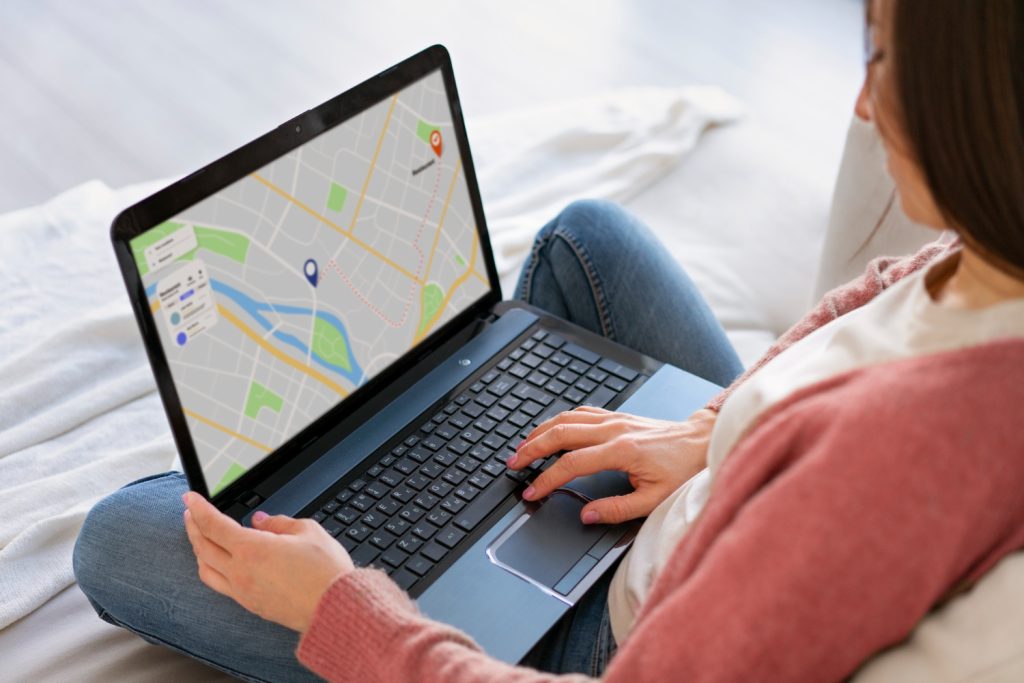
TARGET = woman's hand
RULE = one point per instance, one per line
(279, 569)
(659, 456)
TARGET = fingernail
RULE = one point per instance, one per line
(184, 498)
(259, 516)
(529, 493)
(591, 517)
(512, 460)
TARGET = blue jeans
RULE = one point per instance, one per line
(594, 265)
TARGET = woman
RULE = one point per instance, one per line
(863, 471)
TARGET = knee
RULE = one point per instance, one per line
(115, 547)
(599, 225)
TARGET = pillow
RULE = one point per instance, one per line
(979, 635)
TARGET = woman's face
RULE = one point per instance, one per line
(876, 103)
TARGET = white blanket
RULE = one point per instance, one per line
(79, 415)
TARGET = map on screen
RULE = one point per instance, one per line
(278, 296)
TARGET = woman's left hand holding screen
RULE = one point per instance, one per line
(279, 569)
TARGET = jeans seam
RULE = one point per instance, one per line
(593, 279)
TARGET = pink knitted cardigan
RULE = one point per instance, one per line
(848, 512)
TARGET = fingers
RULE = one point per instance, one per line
(214, 579)
(567, 431)
(279, 524)
(206, 550)
(616, 509)
(571, 465)
(212, 523)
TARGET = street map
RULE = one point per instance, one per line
(278, 296)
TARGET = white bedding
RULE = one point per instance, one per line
(78, 412)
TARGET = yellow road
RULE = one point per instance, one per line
(447, 297)
(221, 428)
(280, 355)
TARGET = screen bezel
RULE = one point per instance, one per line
(169, 202)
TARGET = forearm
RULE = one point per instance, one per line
(367, 629)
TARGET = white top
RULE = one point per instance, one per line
(902, 322)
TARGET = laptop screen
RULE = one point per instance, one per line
(279, 295)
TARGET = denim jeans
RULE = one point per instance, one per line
(594, 265)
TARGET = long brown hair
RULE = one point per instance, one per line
(958, 77)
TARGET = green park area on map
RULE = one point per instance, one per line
(261, 397)
(229, 244)
(330, 345)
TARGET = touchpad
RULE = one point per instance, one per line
(550, 542)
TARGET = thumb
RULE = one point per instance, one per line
(616, 509)
(276, 524)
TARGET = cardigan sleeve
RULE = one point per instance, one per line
(881, 273)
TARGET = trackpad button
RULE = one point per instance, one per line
(550, 542)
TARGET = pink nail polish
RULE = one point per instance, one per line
(184, 498)
(529, 493)
(591, 517)
(259, 516)
(512, 460)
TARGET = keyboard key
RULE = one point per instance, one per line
(511, 402)
(446, 432)
(445, 458)
(490, 376)
(404, 579)
(519, 371)
(378, 489)
(462, 399)
(497, 413)
(330, 506)
(506, 431)
(357, 485)
(517, 354)
(433, 443)
(397, 526)
(347, 515)
(585, 385)
(505, 364)
(347, 543)
(373, 519)
(477, 387)
(467, 492)
(543, 350)
(428, 427)
(502, 386)
(364, 555)
(537, 379)
(554, 341)
(374, 471)
(473, 435)
(581, 353)
(397, 451)
(494, 468)
(528, 344)
(467, 464)
(406, 465)
(460, 421)
(358, 532)
(567, 376)
(494, 442)
(600, 398)
(620, 371)
(474, 410)
(486, 400)
(344, 496)
(531, 360)
(388, 460)
(439, 517)
(404, 494)
(481, 480)
(549, 369)
(450, 537)
(419, 565)
(453, 505)
(556, 387)
(363, 502)
(424, 531)
(560, 359)
(427, 500)
(395, 557)
(410, 543)
(539, 335)
(441, 489)
(417, 482)
(434, 551)
(431, 470)
(615, 384)
(420, 454)
(574, 395)
(382, 539)
(481, 453)
(451, 408)
(319, 516)
(391, 477)
(411, 513)
(597, 375)
(520, 419)
(332, 526)
(459, 446)
(454, 477)
(388, 506)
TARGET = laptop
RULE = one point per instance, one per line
(324, 320)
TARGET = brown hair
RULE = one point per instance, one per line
(958, 77)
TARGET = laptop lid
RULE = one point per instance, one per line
(283, 285)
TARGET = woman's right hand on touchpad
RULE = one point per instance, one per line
(658, 455)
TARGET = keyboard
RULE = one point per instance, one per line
(426, 493)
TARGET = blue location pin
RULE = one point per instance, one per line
(310, 270)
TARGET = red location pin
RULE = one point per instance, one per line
(435, 141)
